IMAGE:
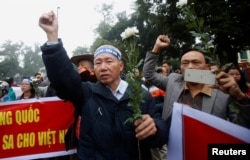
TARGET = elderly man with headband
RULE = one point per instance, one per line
(103, 105)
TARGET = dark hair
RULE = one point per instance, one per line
(38, 73)
(242, 82)
(159, 69)
(9, 80)
(207, 58)
(166, 62)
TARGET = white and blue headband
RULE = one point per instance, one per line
(108, 49)
(27, 80)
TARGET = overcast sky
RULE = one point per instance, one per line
(77, 20)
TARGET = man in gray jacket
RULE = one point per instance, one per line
(216, 100)
(224, 99)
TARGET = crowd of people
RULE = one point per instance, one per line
(99, 94)
(30, 87)
(103, 106)
(36, 86)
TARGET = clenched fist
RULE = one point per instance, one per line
(162, 42)
(49, 23)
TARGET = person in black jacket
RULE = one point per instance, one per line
(103, 105)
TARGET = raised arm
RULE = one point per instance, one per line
(150, 63)
(60, 70)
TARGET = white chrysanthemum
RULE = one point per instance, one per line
(129, 32)
(181, 3)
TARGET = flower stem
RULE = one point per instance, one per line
(139, 150)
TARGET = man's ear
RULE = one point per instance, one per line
(121, 66)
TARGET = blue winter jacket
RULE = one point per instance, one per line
(103, 134)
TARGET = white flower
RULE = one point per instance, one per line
(181, 3)
(129, 32)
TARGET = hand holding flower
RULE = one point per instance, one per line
(145, 127)
(144, 124)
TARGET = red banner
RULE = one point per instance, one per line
(193, 132)
(34, 128)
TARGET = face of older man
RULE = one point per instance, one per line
(107, 68)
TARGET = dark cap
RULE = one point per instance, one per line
(78, 58)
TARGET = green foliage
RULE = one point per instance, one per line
(80, 50)
(98, 42)
(103, 29)
(37, 91)
(198, 30)
(19, 60)
(32, 61)
(132, 63)
(10, 66)
(226, 23)
(136, 95)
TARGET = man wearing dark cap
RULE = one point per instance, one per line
(103, 105)
(85, 66)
